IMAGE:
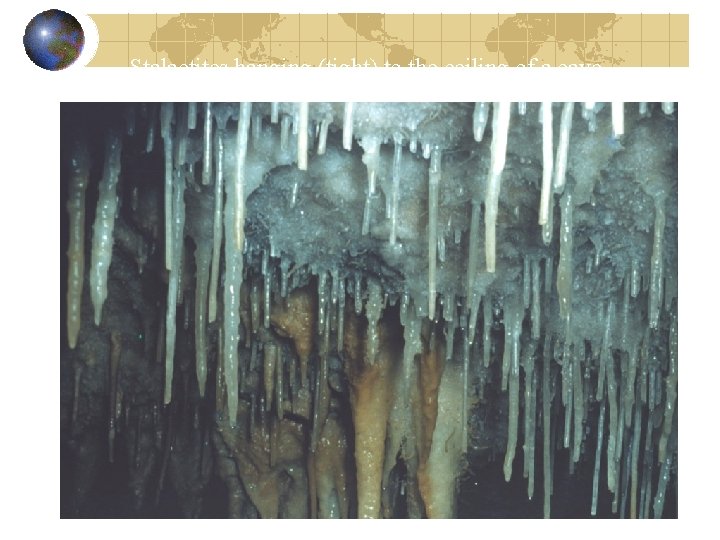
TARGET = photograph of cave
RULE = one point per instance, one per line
(381, 310)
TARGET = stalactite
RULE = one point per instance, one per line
(536, 299)
(563, 145)
(207, 145)
(671, 381)
(546, 119)
(166, 118)
(397, 163)
(472, 295)
(513, 321)
(613, 401)
(231, 303)
(192, 115)
(565, 264)
(322, 137)
(102, 245)
(480, 117)
(547, 403)
(656, 264)
(498, 149)
(80, 171)
(435, 177)
(598, 454)
(217, 227)
(618, 118)
(202, 264)
(178, 228)
(242, 139)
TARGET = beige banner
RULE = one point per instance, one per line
(398, 40)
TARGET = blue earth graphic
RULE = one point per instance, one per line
(54, 39)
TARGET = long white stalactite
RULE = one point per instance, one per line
(560, 166)
(166, 117)
(565, 263)
(434, 182)
(80, 172)
(102, 244)
(546, 118)
(217, 228)
(656, 264)
(174, 284)
(498, 151)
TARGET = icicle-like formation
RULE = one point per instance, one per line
(256, 122)
(473, 253)
(231, 303)
(284, 132)
(671, 381)
(434, 182)
(588, 113)
(598, 453)
(656, 264)
(203, 254)
(371, 159)
(547, 404)
(340, 313)
(178, 228)
(192, 115)
(546, 118)
(643, 108)
(526, 282)
(274, 112)
(102, 244)
(613, 400)
(480, 116)
(565, 263)
(242, 140)
(659, 502)
(513, 322)
(207, 145)
(498, 149)
(535, 310)
(465, 397)
(578, 406)
(217, 228)
(618, 118)
(80, 171)
(348, 126)
(373, 310)
(668, 107)
(487, 325)
(166, 117)
(397, 162)
(322, 137)
(530, 428)
(150, 139)
(562, 149)
(302, 135)
(267, 289)
(358, 293)
(637, 432)
(522, 107)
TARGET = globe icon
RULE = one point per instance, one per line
(53, 39)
